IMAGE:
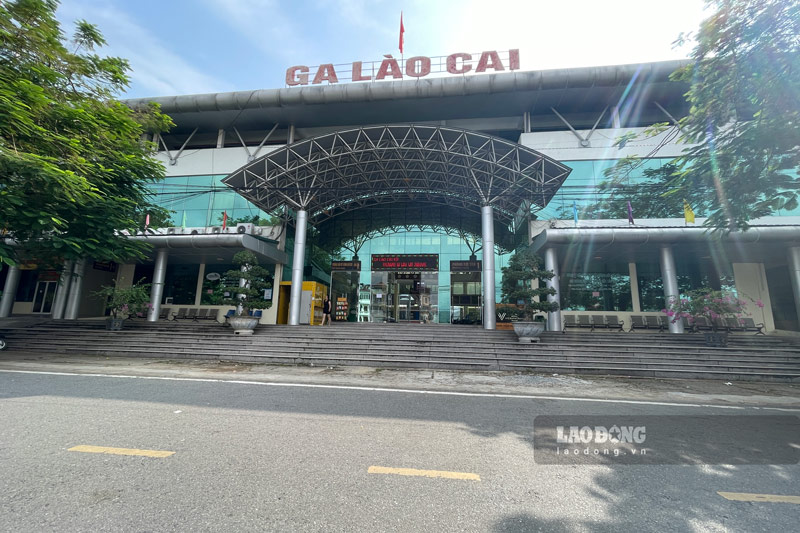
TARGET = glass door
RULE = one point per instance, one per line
(43, 297)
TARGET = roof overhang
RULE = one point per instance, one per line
(213, 249)
(573, 91)
(616, 241)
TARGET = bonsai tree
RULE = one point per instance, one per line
(518, 284)
(251, 296)
(124, 302)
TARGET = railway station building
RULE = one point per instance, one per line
(421, 188)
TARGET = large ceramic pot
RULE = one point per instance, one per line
(243, 325)
(114, 324)
(716, 338)
(528, 331)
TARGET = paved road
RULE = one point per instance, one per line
(251, 457)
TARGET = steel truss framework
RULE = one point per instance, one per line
(416, 165)
(352, 229)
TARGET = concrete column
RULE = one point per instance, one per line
(63, 288)
(551, 263)
(221, 138)
(487, 230)
(636, 303)
(298, 261)
(794, 274)
(669, 278)
(9, 292)
(198, 293)
(157, 288)
(73, 307)
(290, 135)
(397, 302)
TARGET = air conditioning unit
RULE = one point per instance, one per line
(172, 231)
(197, 231)
(244, 228)
(216, 229)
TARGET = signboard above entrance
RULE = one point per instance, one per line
(345, 266)
(465, 266)
(413, 67)
(405, 262)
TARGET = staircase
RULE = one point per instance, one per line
(748, 357)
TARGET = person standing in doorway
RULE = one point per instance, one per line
(327, 308)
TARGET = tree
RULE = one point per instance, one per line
(745, 110)
(254, 219)
(251, 296)
(744, 122)
(520, 276)
(74, 169)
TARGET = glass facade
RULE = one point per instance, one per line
(441, 296)
(202, 199)
(428, 296)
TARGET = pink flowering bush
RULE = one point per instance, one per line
(709, 304)
(133, 300)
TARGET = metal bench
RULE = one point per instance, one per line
(750, 325)
(646, 322)
(733, 324)
(209, 314)
(701, 323)
(654, 322)
(585, 322)
(164, 313)
(598, 321)
(613, 321)
(569, 322)
(181, 314)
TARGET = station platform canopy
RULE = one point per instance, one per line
(443, 175)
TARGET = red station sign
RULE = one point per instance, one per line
(413, 67)
(404, 262)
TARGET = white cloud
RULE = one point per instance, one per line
(156, 69)
(264, 24)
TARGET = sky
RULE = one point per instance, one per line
(203, 46)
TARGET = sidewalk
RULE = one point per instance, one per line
(512, 383)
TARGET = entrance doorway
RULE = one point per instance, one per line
(404, 297)
(43, 296)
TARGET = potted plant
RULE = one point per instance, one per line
(713, 306)
(250, 297)
(521, 286)
(123, 303)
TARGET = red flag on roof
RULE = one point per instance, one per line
(224, 220)
(402, 30)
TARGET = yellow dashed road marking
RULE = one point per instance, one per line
(423, 473)
(120, 451)
(748, 497)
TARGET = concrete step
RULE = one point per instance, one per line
(245, 343)
(423, 346)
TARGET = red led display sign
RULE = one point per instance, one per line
(405, 262)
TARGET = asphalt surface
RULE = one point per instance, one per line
(251, 456)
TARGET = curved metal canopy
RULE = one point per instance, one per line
(351, 169)
(372, 221)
